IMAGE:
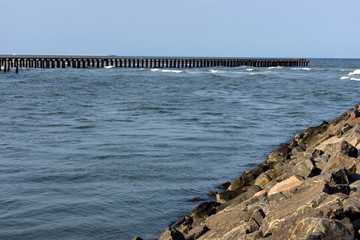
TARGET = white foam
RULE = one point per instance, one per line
(174, 71)
(251, 69)
(343, 78)
(356, 72)
(214, 71)
(355, 79)
(278, 67)
(142, 69)
(108, 67)
(155, 70)
(305, 69)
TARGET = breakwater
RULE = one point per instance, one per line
(306, 189)
(73, 61)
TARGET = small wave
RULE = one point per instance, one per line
(215, 71)
(278, 67)
(251, 69)
(356, 72)
(174, 71)
(142, 69)
(155, 70)
(343, 78)
(355, 79)
(305, 69)
(109, 67)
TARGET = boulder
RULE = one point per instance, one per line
(279, 155)
(304, 168)
(204, 210)
(321, 228)
(341, 147)
(227, 195)
(171, 234)
(262, 180)
(286, 185)
(224, 185)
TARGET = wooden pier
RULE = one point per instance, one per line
(23, 62)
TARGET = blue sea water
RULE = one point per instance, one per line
(117, 153)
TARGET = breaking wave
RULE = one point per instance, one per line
(355, 72)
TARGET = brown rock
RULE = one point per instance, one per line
(331, 140)
(352, 136)
(354, 121)
(212, 193)
(204, 210)
(227, 195)
(304, 168)
(352, 207)
(341, 147)
(224, 185)
(259, 169)
(338, 160)
(262, 180)
(260, 193)
(321, 228)
(279, 155)
(171, 235)
(275, 173)
(242, 197)
(285, 185)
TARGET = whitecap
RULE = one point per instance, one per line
(251, 69)
(305, 69)
(108, 67)
(355, 79)
(278, 67)
(174, 71)
(155, 70)
(215, 71)
(355, 72)
(142, 69)
(343, 78)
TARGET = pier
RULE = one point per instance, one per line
(73, 61)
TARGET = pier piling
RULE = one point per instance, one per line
(100, 62)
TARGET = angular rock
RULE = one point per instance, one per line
(285, 185)
(204, 210)
(212, 193)
(228, 195)
(304, 168)
(259, 169)
(341, 147)
(224, 185)
(279, 155)
(321, 228)
(262, 180)
(325, 143)
(338, 160)
(352, 207)
(171, 235)
(242, 197)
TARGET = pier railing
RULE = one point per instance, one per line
(7, 63)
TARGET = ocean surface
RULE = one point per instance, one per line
(118, 153)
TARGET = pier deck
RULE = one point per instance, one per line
(75, 61)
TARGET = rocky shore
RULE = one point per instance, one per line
(309, 188)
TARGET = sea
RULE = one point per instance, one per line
(117, 153)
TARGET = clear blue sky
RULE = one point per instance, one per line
(231, 28)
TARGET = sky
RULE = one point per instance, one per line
(194, 28)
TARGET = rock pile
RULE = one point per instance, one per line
(309, 188)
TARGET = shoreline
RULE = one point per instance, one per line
(308, 188)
